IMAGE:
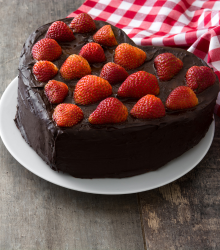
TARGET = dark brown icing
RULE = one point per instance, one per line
(112, 150)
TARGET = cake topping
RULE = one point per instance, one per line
(56, 91)
(181, 97)
(128, 56)
(74, 67)
(113, 73)
(138, 85)
(60, 32)
(91, 89)
(83, 23)
(44, 70)
(67, 115)
(93, 53)
(110, 110)
(105, 36)
(200, 78)
(167, 66)
(148, 107)
(46, 49)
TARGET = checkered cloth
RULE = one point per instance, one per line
(192, 25)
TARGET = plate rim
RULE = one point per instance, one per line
(7, 93)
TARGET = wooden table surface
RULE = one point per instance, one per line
(36, 214)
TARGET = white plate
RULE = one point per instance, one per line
(30, 160)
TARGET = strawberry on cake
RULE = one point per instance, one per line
(94, 105)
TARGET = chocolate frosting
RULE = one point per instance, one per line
(111, 150)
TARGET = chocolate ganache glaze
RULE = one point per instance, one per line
(112, 150)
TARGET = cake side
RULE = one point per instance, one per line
(131, 151)
(112, 150)
(34, 124)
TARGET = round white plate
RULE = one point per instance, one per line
(30, 160)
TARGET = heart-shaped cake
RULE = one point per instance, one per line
(93, 104)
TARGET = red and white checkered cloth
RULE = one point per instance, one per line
(189, 24)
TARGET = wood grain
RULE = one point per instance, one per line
(35, 214)
(186, 213)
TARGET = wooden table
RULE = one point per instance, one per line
(35, 214)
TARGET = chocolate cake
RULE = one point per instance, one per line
(126, 149)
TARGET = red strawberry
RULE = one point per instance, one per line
(113, 73)
(200, 78)
(105, 36)
(128, 56)
(167, 66)
(93, 53)
(67, 115)
(91, 89)
(60, 32)
(44, 70)
(83, 23)
(56, 91)
(138, 85)
(110, 110)
(181, 98)
(46, 49)
(75, 67)
(148, 107)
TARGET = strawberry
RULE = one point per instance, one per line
(44, 70)
(46, 49)
(67, 115)
(181, 97)
(148, 107)
(105, 36)
(167, 66)
(74, 67)
(138, 85)
(200, 78)
(128, 56)
(56, 91)
(93, 53)
(60, 32)
(113, 73)
(83, 23)
(110, 110)
(91, 89)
